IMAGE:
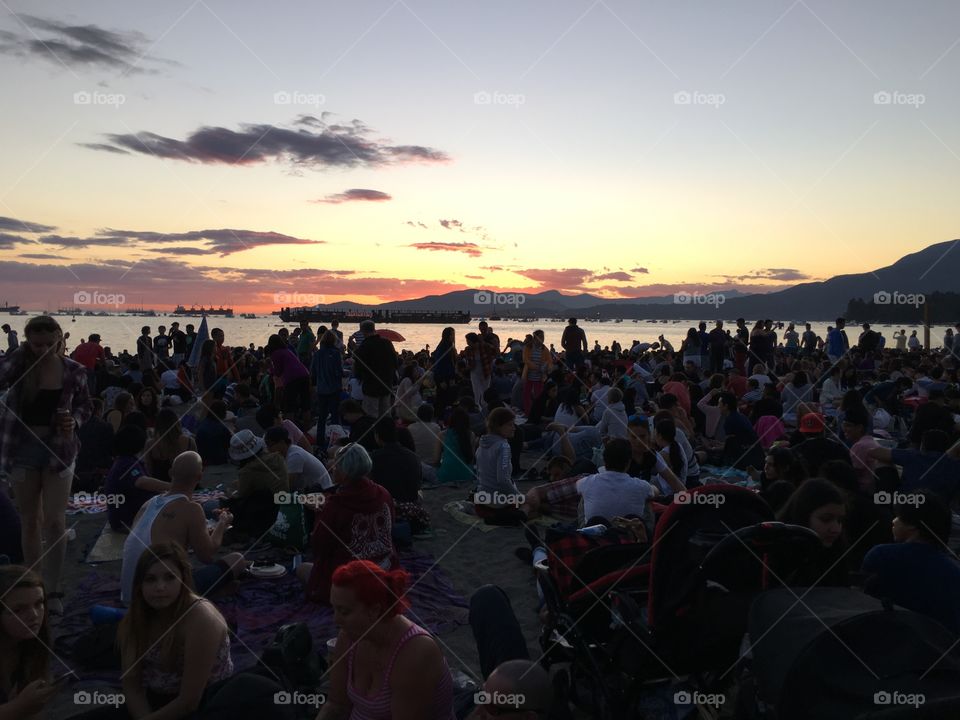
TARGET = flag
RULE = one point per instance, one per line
(203, 334)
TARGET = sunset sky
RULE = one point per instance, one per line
(255, 154)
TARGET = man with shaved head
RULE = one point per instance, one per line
(175, 518)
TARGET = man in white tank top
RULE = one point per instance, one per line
(175, 517)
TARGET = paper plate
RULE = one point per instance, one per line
(268, 571)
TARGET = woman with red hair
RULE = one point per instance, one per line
(383, 666)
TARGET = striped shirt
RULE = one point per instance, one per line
(378, 705)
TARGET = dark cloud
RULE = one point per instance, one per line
(418, 224)
(7, 240)
(641, 270)
(104, 147)
(225, 241)
(354, 194)
(567, 279)
(78, 45)
(180, 251)
(340, 146)
(79, 242)
(469, 248)
(8, 223)
(772, 274)
(39, 256)
(621, 276)
(452, 224)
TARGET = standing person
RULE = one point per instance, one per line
(740, 346)
(718, 347)
(480, 356)
(227, 371)
(837, 344)
(91, 355)
(901, 339)
(306, 343)
(809, 341)
(13, 342)
(537, 364)
(161, 344)
(178, 340)
(443, 367)
(290, 374)
(913, 343)
(335, 329)
(574, 344)
(376, 369)
(487, 335)
(326, 373)
(47, 400)
(207, 367)
(191, 338)
(145, 355)
(791, 341)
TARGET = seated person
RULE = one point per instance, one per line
(917, 571)
(613, 492)
(261, 477)
(25, 687)
(355, 523)
(398, 470)
(817, 448)
(497, 496)
(383, 665)
(741, 444)
(213, 435)
(819, 505)
(270, 416)
(360, 424)
(175, 518)
(933, 467)
(127, 482)
(168, 443)
(426, 439)
(243, 402)
(305, 472)
(175, 650)
(455, 451)
(96, 449)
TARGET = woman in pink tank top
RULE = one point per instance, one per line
(384, 666)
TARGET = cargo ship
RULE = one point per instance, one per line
(12, 309)
(392, 317)
(197, 312)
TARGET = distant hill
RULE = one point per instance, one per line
(935, 268)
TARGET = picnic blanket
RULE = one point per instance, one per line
(93, 503)
(261, 607)
(730, 475)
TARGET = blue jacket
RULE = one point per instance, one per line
(326, 370)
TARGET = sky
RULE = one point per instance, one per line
(258, 155)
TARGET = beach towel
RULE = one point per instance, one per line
(107, 547)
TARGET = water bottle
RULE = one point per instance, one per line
(297, 560)
(105, 615)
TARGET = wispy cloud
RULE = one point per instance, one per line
(315, 144)
(356, 194)
(469, 248)
(79, 46)
(8, 223)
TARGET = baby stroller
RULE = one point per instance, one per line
(839, 654)
(640, 614)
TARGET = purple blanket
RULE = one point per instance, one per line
(261, 607)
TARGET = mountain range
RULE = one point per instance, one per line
(935, 268)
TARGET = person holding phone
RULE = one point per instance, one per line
(25, 687)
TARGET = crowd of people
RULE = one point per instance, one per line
(854, 440)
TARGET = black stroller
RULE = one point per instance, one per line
(838, 654)
(676, 608)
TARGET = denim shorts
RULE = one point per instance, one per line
(32, 453)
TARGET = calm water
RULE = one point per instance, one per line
(121, 332)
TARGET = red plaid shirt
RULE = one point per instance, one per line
(74, 397)
(488, 354)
